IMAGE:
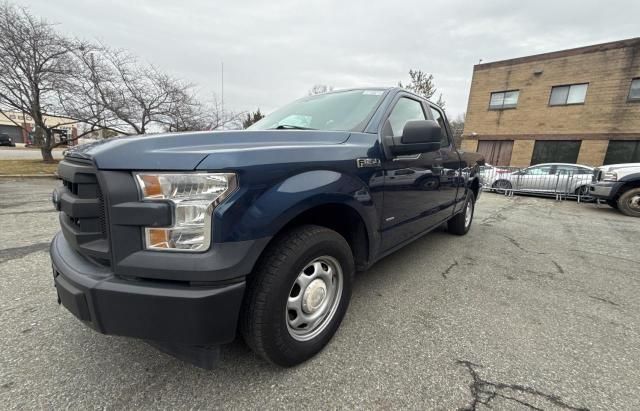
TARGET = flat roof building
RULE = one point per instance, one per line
(573, 106)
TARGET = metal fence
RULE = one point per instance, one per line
(561, 183)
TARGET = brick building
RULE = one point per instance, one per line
(20, 126)
(576, 106)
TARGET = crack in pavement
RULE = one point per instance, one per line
(520, 247)
(604, 300)
(605, 255)
(445, 272)
(558, 266)
(483, 392)
(9, 254)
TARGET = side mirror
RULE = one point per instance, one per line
(418, 136)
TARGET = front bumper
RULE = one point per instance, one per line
(162, 312)
(605, 190)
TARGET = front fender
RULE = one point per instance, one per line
(269, 211)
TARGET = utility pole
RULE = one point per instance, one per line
(222, 86)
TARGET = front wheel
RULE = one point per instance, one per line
(501, 186)
(461, 222)
(298, 295)
(584, 193)
(629, 202)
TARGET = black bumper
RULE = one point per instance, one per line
(159, 311)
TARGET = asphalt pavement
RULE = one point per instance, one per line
(536, 308)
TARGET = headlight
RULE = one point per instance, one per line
(194, 196)
(610, 176)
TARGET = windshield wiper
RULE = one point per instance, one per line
(290, 127)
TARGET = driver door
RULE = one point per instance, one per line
(413, 185)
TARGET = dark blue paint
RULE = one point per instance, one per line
(283, 173)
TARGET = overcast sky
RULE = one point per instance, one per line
(275, 51)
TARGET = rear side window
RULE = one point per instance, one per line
(539, 171)
(405, 110)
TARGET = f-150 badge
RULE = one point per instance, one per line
(368, 162)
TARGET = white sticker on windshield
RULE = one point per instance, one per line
(372, 92)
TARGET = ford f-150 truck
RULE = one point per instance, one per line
(184, 240)
(619, 186)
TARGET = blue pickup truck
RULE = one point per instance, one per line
(186, 240)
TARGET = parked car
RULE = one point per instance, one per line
(619, 186)
(5, 140)
(488, 173)
(549, 178)
(185, 239)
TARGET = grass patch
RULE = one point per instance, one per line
(8, 167)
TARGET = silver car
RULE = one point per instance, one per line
(549, 178)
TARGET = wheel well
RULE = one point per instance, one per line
(475, 187)
(627, 186)
(342, 219)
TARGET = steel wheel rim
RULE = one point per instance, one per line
(634, 203)
(314, 298)
(468, 213)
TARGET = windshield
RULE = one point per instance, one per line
(340, 111)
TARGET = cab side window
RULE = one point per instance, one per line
(405, 110)
(444, 136)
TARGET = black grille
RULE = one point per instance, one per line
(101, 211)
(82, 217)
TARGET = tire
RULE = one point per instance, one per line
(501, 185)
(459, 224)
(612, 203)
(584, 193)
(285, 289)
(629, 202)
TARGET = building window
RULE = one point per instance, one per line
(549, 151)
(565, 95)
(634, 91)
(504, 99)
(622, 151)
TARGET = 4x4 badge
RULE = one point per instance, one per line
(368, 162)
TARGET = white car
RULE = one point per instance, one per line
(549, 178)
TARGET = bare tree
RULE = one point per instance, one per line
(320, 89)
(252, 118)
(457, 127)
(422, 84)
(130, 97)
(34, 64)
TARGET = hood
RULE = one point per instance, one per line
(613, 167)
(184, 151)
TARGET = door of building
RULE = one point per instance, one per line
(496, 152)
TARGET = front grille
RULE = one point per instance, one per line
(82, 209)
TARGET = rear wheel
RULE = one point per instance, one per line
(298, 295)
(461, 222)
(629, 202)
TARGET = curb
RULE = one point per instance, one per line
(8, 176)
